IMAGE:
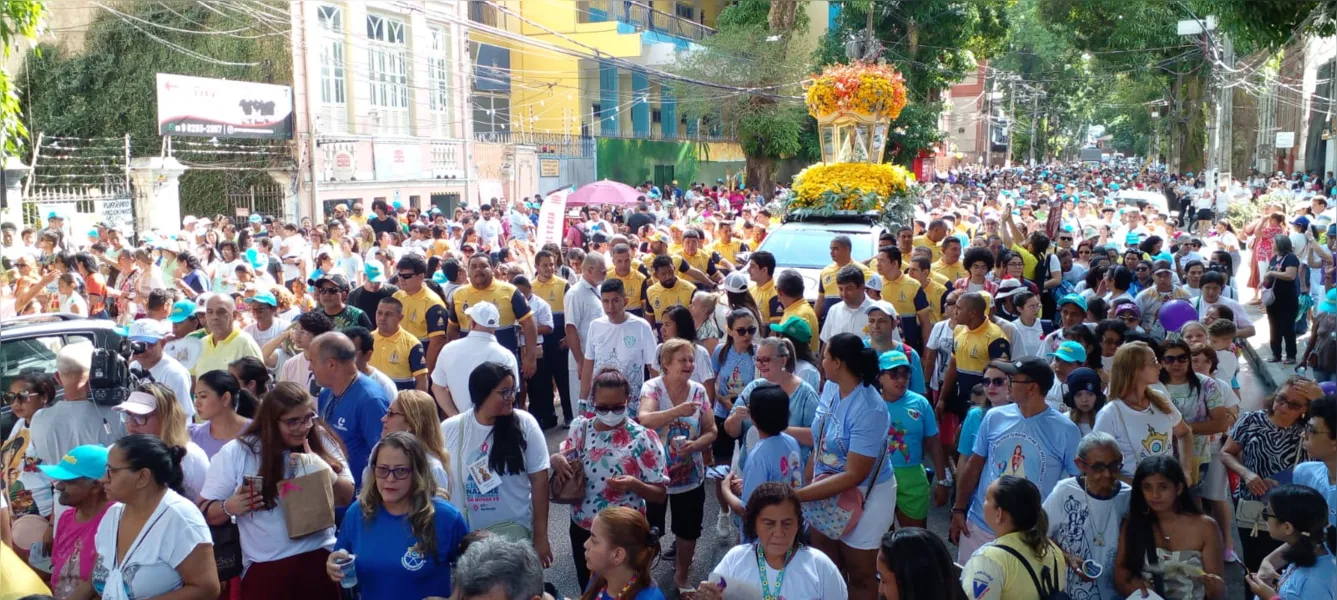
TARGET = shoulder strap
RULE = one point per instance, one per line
(1039, 591)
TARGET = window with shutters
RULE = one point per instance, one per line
(333, 116)
(439, 83)
(388, 75)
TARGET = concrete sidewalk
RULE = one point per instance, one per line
(1259, 378)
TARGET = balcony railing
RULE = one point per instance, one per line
(583, 146)
(643, 17)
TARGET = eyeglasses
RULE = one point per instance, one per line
(1142, 269)
(111, 469)
(1111, 467)
(1083, 253)
(396, 473)
(899, 373)
(1174, 359)
(508, 393)
(746, 330)
(327, 291)
(1310, 430)
(1267, 513)
(764, 360)
(1291, 404)
(995, 381)
(394, 413)
(140, 420)
(605, 410)
(298, 422)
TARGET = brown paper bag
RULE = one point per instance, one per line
(308, 499)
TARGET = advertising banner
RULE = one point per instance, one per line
(551, 215)
(200, 107)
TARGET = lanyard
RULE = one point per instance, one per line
(779, 580)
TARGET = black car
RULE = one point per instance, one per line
(31, 343)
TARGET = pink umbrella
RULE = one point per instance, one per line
(604, 192)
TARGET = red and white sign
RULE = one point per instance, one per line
(551, 215)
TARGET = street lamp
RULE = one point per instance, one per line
(11, 186)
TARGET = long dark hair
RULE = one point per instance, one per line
(860, 360)
(683, 322)
(507, 456)
(1083, 335)
(250, 369)
(144, 451)
(734, 316)
(222, 382)
(922, 565)
(1020, 499)
(1139, 533)
(1306, 510)
(744, 300)
(1194, 384)
(263, 437)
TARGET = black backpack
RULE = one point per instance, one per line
(1046, 588)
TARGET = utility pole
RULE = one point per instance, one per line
(1035, 117)
(988, 121)
(1011, 118)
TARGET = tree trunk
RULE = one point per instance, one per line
(1190, 125)
(761, 174)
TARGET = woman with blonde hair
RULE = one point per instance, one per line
(399, 533)
(1140, 418)
(414, 412)
(153, 409)
(620, 551)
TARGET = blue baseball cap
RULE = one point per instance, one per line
(83, 462)
(891, 359)
(375, 272)
(53, 215)
(257, 260)
(182, 310)
(1077, 300)
(256, 218)
(263, 298)
(1072, 352)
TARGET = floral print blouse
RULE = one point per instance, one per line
(627, 450)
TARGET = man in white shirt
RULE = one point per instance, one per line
(488, 229)
(450, 378)
(1212, 284)
(584, 304)
(618, 340)
(292, 248)
(851, 314)
(521, 226)
(164, 369)
(264, 307)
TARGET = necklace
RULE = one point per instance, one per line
(1098, 533)
(622, 593)
(765, 579)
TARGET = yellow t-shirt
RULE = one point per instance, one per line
(679, 265)
(217, 356)
(922, 240)
(400, 356)
(976, 347)
(511, 307)
(438, 247)
(767, 301)
(952, 272)
(659, 299)
(553, 291)
(729, 250)
(995, 574)
(424, 313)
(934, 291)
(633, 283)
(706, 261)
(801, 308)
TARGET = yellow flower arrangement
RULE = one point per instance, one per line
(864, 88)
(851, 183)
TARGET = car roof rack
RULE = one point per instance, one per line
(839, 216)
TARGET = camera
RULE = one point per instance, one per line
(110, 377)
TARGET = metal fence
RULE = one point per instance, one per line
(643, 17)
(265, 199)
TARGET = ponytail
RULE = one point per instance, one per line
(628, 529)
(858, 359)
(1307, 511)
(1020, 499)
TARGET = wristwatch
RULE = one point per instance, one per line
(946, 482)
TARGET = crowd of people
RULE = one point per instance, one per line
(360, 405)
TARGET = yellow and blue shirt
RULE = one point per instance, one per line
(424, 313)
(923, 241)
(511, 305)
(658, 299)
(634, 285)
(705, 261)
(553, 291)
(400, 356)
(952, 272)
(905, 294)
(830, 292)
(767, 302)
(801, 308)
(729, 250)
(975, 348)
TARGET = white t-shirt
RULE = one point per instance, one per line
(489, 232)
(185, 350)
(469, 443)
(628, 346)
(702, 371)
(195, 467)
(1088, 527)
(383, 380)
(1141, 433)
(1027, 341)
(943, 340)
(809, 575)
(843, 319)
(583, 306)
(148, 568)
(276, 328)
(264, 533)
(171, 374)
(459, 358)
(292, 247)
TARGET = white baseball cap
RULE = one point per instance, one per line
(736, 282)
(874, 282)
(484, 314)
(150, 331)
(139, 403)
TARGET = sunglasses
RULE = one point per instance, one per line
(8, 398)
(1173, 359)
(403, 276)
(1083, 253)
(605, 410)
(327, 291)
(1289, 403)
(140, 420)
(746, 330)
(995, 381)
(396, 473)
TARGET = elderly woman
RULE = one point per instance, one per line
(1084, 516)
(1282, 277)
(775, 361)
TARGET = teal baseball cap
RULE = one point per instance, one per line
(1071, 352)
(1132, 239)
(263, 298)
(891, 359)
(1077, 300)
(182, 310)
(255, 218)
(375, 272)
(795, 327)
(83, 462)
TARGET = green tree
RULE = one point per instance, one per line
(934, 43)
(19, 20)
(109, 87)
(758, 47)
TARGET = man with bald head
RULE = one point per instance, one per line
(351, 402)
(225, 341)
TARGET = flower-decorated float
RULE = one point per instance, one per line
(854, 106)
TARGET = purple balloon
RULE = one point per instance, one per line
(1175, 313)
(1329, 388)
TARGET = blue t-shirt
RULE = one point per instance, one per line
(916, 367)
(965, 443)
(1042, 448)
(856, 423)
(912, 420)
(389, 564)
(802, 413)
(775, 458)
(732, 375)
(1314, 474)
(355, 416)
(1318, 582)
(650, 593)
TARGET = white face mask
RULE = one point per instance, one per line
(611, 418)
